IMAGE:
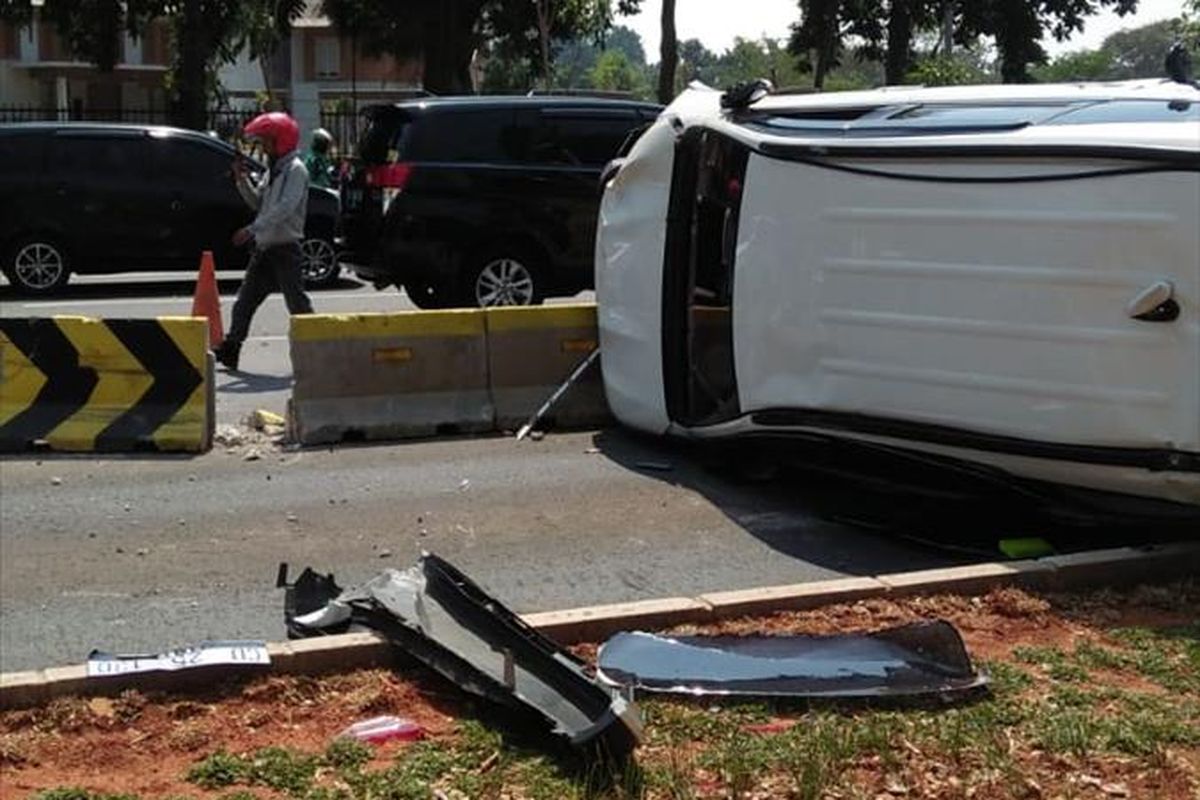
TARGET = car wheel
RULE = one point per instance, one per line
(319, 262)
(428, 294)
(37, 265)
(504, 279)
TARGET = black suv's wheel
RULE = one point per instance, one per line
(319, 262)
(503, 278)
(37, 265)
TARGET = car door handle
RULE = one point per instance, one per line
(1155, 303)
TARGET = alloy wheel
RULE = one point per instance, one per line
(504, 282)
(318, 261)
(39, 266)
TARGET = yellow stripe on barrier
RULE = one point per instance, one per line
(20, 380)
(503, 320)
(121, 382)
(190, 335)
(322, 327)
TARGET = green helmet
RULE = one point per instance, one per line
(321, 140)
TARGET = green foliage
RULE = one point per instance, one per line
(80, 794)
(943, 71)
(347, 754)
(217, 771)
(614, 72)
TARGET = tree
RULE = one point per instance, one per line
(205, 33)
(614, 72)
(697, 62)
(446, 33)
(1019, 25)
(628, 41)
(266, 25)
(817, 40)
(1140, 52)
(668, 54)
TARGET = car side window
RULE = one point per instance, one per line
(581, 139)
(189, 164)
(474, 136)
(21, 155)
(104, 157)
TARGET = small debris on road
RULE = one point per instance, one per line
(253, 454)
(261, 419)
(464, 485)
(537, 436)
(385, 553)
(56, 481)
(229, 436)
(591, 451)
(142, 551)
(292, 518)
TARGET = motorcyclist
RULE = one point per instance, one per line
(321, 169)
(281, 200)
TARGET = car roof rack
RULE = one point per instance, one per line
(599, 93)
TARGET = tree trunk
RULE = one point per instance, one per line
(264, 63)
(449, 42)
(191, 104)
(947, 29)
(668, 54)
(899, 42)
(543, 18)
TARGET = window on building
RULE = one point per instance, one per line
(328, 57)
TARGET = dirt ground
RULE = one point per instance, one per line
(1041, 650)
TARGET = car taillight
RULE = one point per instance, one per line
(389, 176)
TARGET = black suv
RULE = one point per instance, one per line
(483, 201)
(98, 198)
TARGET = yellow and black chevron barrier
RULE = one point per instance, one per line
(82, 384)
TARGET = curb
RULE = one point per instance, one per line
(1118, 566)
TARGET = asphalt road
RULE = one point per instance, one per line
(137, 554)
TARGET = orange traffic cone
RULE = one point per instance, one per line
(207, 302)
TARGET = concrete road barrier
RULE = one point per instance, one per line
(106, 385)
(389, 376)
(424, 373)
(531, 351)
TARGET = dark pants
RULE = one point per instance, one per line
(270, 268)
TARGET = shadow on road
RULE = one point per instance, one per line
(253, 383)
(119, 290)
(781, 510)
(869, 522)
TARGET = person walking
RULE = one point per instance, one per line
(321, 170)
(281, 200)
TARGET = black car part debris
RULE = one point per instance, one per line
(922, 658)
(439, 616)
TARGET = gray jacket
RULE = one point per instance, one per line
(281, 201)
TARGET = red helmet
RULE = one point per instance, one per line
(278, 128)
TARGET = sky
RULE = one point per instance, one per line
(717, 22)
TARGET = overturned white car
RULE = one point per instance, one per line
(999, 278)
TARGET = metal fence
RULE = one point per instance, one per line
(225, 122)
(346, 128)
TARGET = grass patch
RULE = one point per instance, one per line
(1050, 713)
